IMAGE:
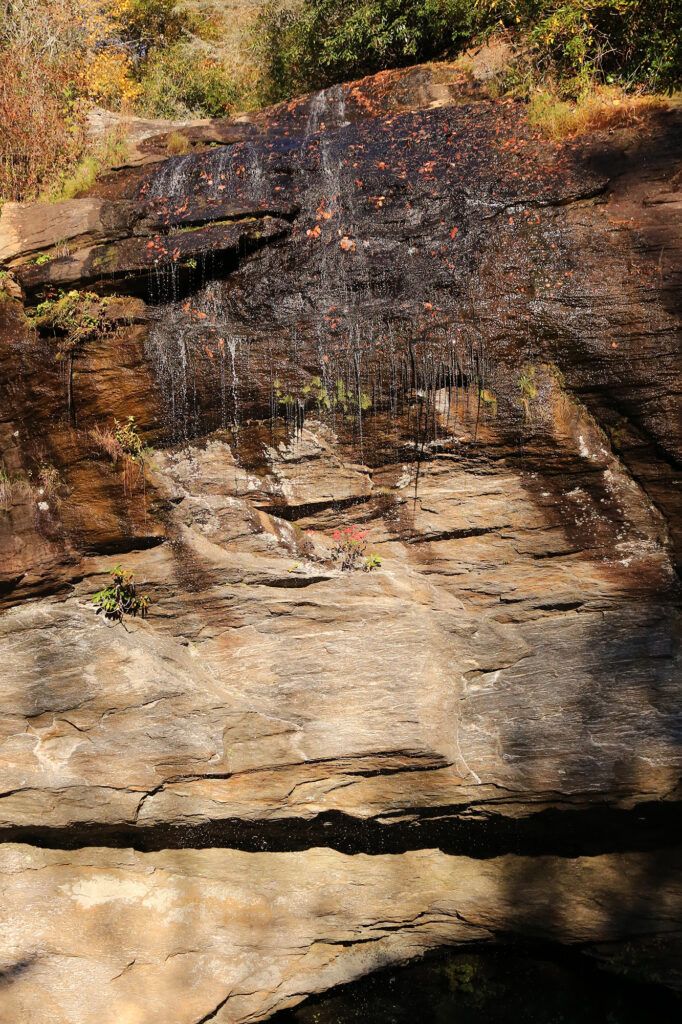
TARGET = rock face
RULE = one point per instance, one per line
(123, 263)
(27, 228)
(328, 690)
(459, 338)
(219, 935)
(67, 231)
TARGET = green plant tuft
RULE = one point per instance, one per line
(73, 318)
(528, 391)
(120, 598)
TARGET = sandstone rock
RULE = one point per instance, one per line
(27, 228)
(108, 936)
(429, 684)
(145, 140)
(484, 378)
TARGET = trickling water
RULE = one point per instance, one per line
(195, 355)
(235, 169)
(224, 172)
(170, 353)
(172, 179)
(327, 109)
(363, 327)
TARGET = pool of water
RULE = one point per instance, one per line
(496, 987)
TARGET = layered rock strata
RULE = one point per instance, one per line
(459, 338)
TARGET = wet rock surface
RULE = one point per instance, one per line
(451, 334)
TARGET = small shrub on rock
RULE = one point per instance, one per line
(74, 318)
(120, 598)
(350, 546)
(123, 443)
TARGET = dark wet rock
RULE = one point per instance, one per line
(136, 259)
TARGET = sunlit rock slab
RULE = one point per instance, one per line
(267, 684)
(111, 936)
(27, 228)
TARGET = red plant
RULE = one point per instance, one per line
(350, 544)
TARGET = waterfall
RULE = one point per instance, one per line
(169, 350)
(224, 172)
(360, 326)
(195, 352)
(327, 108)
(172, 179)
(235, 169)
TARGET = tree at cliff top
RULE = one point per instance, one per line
(633, 42)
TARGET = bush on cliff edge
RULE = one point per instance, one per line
(573, 44)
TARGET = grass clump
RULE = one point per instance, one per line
(11, 488)
(73, 317)
(528, 391)
(122, 441)
(129, 441)
(124, 446)
(120, 598)
(602, 108)
(177, 144)
(76, 180)
(41, 486)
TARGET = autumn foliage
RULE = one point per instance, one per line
(185, 58)
(58, 58)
